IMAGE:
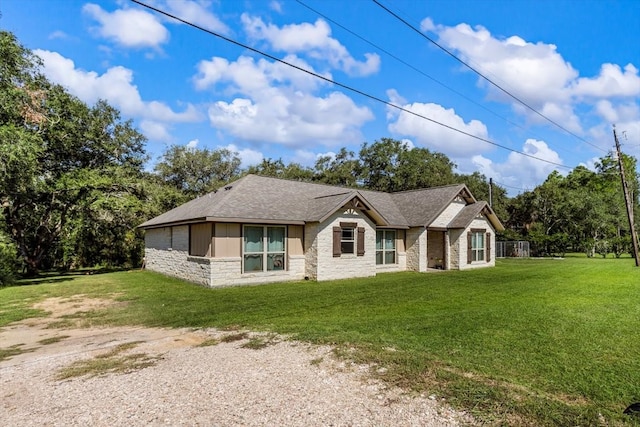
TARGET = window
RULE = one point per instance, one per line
(264, 248)
(477, 245)
(385, 247)
(348, 239)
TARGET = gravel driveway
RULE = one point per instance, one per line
(235, 379)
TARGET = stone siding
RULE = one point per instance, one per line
(347, 265)
(478, 223)
(166, 252)
(416, 244)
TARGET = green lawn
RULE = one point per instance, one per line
(530, 342)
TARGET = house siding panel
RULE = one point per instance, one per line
(228, 240)
(200, 239)
(449, 213)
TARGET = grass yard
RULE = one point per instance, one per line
(530, 342)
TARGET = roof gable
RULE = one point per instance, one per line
(471, 211)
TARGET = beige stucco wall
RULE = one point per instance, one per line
(448, 214)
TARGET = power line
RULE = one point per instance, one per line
(448, 52)
(345, 86)
(408, 65)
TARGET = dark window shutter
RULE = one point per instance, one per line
(488, 247)
(360, 241)
(468, 248)
(337, 236)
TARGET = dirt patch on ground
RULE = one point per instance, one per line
(194, 377)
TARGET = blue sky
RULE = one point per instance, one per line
(575, 62)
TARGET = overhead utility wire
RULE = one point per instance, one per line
(375, 46)
(344, 86)
(448, 52)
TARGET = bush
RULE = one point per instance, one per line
(8, 262)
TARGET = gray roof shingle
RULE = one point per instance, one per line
(254, 198)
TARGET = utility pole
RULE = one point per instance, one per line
(491, 192)
(627, 200)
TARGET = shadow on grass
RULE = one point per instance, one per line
(54, 276)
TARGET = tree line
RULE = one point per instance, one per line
(74, 183)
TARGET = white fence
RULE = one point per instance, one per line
(518, 249)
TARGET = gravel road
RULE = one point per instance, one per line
(283, 383)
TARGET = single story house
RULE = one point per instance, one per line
(259, 229)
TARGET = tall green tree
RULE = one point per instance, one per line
(198, 171)
(390, 165)
(57, 156)
(341, 169)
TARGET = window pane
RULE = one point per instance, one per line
(480, 255)
(379, 238)
(253, 239)
(347, 234)
(346, 247)
(275, 262)
(275, 239)
(390, 257)
(390, 240)
(379, 257)
(252, 263)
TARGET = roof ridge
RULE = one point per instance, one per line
(429, 188)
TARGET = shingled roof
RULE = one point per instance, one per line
(259, 199)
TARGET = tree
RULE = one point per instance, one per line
(341, 169)
(198, 171)
(277, 169)
(57, 156)
(390, 165)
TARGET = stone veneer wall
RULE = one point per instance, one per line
(416, 255)
(167, 252)
(478, 223)
(311, 250)
(329, 267)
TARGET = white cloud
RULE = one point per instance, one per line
(248, 157)
(197, 12)
(155, 131)
(435, 136)
(128, 27)
(58, 35)
(304, 157)
(311, 39)
(518, 170)
(115, 86)
(276, 6)
(537, 74)
(193, 143)
(274, 103)
(611, 82)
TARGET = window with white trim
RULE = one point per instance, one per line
(264, 248)
(385, 247)
(477, 245)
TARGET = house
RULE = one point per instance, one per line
(259, 229)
